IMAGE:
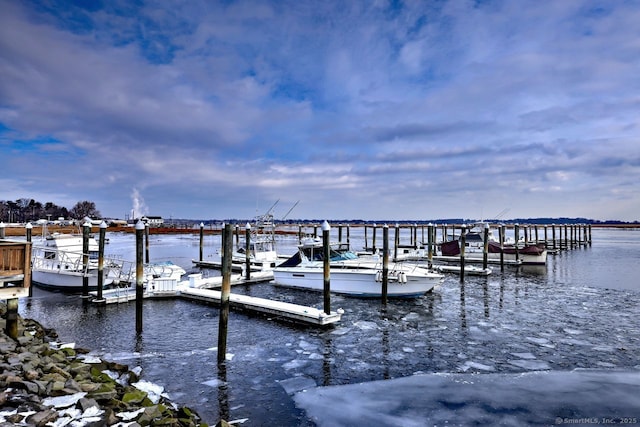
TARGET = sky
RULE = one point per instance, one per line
(373, 109)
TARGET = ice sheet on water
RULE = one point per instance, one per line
(296, 384)
(365, 325)
(476, 366)
(534, 398)
(528, 356)
(531, 365)
(215, 382)
(295, 364)
(306, 346)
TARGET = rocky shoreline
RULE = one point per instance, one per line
(45, 383)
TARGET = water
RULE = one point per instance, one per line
(578, 312)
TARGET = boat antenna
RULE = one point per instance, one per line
(502, 213)
(272, 206)
(289, 211)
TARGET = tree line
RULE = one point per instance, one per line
(27, 210)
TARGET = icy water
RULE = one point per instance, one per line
(540, 325)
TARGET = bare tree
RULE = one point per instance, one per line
(84, 209)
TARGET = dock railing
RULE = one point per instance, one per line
(15, 269)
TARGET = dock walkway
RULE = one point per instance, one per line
(204, 289)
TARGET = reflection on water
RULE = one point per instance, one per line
(559, 317)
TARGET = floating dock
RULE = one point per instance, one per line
(278, 309)
(468, 269)
(203, 289)
(475, 260)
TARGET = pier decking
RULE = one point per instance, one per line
(203, 289)
(15, 269)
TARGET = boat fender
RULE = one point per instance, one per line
(378, 276)
(402, 277)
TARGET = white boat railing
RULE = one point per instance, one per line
(55, 260)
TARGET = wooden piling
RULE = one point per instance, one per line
(463, 244)
(247, 251)
(516, 237)
(29, 228)
(140, 227)
(101, 242)
(375, 228)
(485, 248)
(385, 263)
(501, 236)
(86, 230)
(326, 265)
(11, 326)
(430, 239)
(146, 243)
(546, 241)
(348, 238)
(396, 241)
(201, 241)
(225, 295)
(553, 236)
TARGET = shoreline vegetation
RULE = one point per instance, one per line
(13, 230)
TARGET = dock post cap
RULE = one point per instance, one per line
(374, 224)
(486, 225)
(103, 224)
(2, 225)
(86, 224)
(385, 226)
(139, 225)
(430, 225)
(326, 226)
(29, 226)
(202, 225)
(247, 227)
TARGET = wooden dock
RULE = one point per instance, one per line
(203, 289)
(15, 269)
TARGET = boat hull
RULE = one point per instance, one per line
(358, 283)
(65, 280)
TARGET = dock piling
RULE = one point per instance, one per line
(139, 274)
(485, 248)
(201, 241)
(247, 251)
(502, 232)
(326, 229)
(101, 242)
(225, 295)
(463, 244)
(86, 230)
(29, 228)
(385, 262)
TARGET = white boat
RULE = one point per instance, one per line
(262, 246)
(352, 275)
(58, 263)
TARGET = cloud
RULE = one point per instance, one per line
(366, 109)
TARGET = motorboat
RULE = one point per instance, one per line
(519, 253)
(58, 262)
(262, 246)
(351, 274)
